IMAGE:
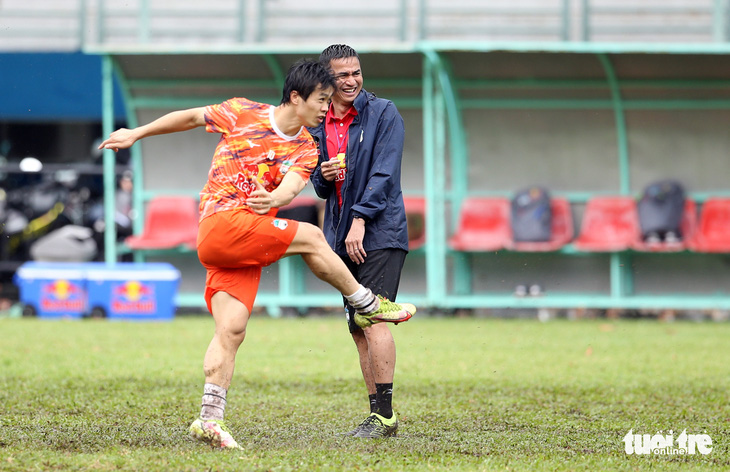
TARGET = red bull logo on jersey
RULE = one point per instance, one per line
(243, 184)
(264, 175)
(245, 181)
(133, 297)
(62, 296)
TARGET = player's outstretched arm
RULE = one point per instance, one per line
(181, 120)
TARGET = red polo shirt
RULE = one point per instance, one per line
(336, 130)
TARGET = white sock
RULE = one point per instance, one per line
(214, 402)
(363, 300)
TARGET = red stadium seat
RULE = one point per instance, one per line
(484, 225)
(170, 222)
(561, 230)
(609, 224)
(687, 228)
(713, 231)
(416, 216)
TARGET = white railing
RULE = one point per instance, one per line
(59, 25)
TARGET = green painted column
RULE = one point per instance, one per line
(447, 113)
(621, 272)
(434, 267)
(130, 110)
(109, 162)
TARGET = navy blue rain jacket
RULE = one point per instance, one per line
(372, 188)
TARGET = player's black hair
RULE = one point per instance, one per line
(305, 76)
(336, 51)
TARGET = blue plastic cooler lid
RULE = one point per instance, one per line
(149, 271)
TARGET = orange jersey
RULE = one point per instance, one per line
(251, 147)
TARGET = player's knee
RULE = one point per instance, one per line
(311, 237)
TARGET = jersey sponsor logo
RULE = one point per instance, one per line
(280, 224)
(243, 184)
(285, 166)
(264, 175)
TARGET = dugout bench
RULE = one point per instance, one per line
(466, 97)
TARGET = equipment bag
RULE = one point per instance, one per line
(660, 210)
(531, 215)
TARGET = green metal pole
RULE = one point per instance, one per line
(565, 17)
(109, 159)
(130, 110)
(621, 134)
(439, 196)
(276, 70)
(433, 266)
(143, 34)
(422, 20)
(719, 20)
(261, 23)
(457, 144)
(621, 273)
(447, 98)
(586, 23)
(403, 19)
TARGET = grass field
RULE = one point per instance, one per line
(473, 394)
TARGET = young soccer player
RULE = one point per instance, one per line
(262, 161)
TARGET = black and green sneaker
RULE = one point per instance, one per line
(357, 428)
(376, 426)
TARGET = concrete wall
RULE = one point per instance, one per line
(68, 25)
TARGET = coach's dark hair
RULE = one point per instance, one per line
(336, 51)
(305, 76)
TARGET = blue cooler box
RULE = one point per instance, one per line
(52, 289)
(133, 291)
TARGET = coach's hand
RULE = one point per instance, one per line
(353, 241)
(260, 200)
(330, 169)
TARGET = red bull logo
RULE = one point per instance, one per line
(133, 297)
(62, 296)
(264, 175)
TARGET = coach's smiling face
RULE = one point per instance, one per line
(348, 75)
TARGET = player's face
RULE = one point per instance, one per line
(313, 110)
(348, 75)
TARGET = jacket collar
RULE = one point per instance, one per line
(361, 100)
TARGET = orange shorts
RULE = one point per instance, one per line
(234, 245)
